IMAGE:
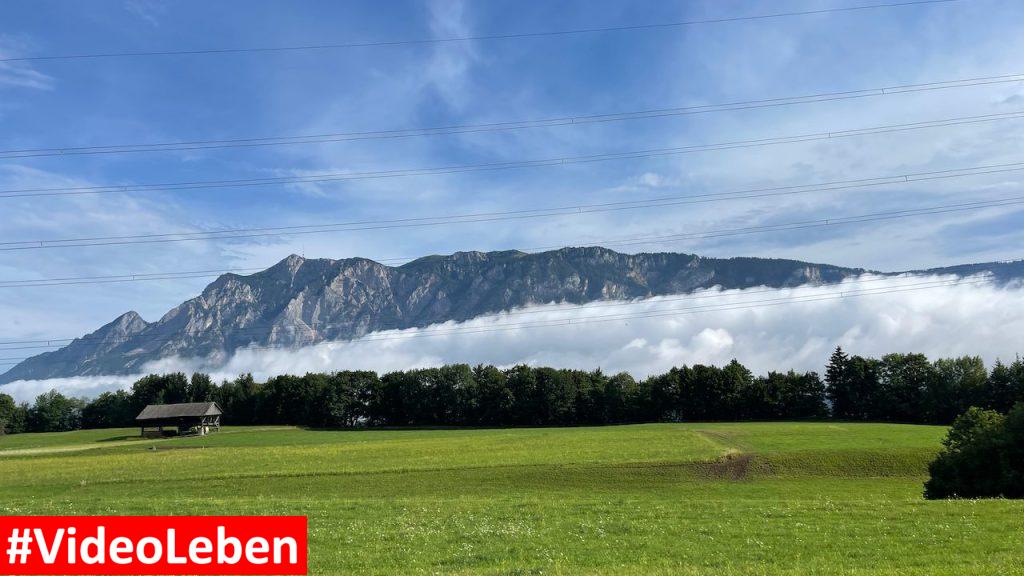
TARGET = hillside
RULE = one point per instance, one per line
(697, 498)
(303, 301)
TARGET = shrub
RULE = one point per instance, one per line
(983, 456)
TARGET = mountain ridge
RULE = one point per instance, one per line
(300, 301)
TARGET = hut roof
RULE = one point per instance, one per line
(187, 410)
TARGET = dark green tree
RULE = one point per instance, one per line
(620, 396)
(347, 397)
(956, 385)
(494, 397)
(397, 399)
(837, 385)
(733, 380)
(784, 396)
(971, 462)
(12, 416)
(288, 399)
(200, 388)
(238, 399)
(450, 395)
(1004, 386)
(802, 396)
(762, 400)
(903, 387)
(7, 409)
(54, 412)
(662, 396)
(712, 393)
(1013, 452)
(555, 397)
(522, 384)
(590, 405)
(343, 400)
(159, 389)
(852, 386)
(109, 410)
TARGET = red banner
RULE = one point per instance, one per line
(167, 545)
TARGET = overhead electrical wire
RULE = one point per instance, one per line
(573, 210)
(491, 166)
(567, 160)
(115, 278)
(577, 120)
(876, 277)
(527, 124)
(54, 342)
(712, 308)
(633, 241)
(480, 37)
(426, 332)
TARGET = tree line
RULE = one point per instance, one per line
(894, 388)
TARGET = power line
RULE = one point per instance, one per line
(718, 308)
(54, 342)
(115, 278)
(259, 330)
(506, 125)
(491, 166)
(574, 210)
(421, 332)
(508, 36)
(783, 227)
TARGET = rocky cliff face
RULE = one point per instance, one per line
(299, 301)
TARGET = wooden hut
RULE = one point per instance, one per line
(193, 417)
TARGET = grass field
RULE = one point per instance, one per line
(651, 499)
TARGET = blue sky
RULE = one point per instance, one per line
(172, 98)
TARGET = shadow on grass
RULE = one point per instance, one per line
(121, 438)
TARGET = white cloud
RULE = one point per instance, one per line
(85, 386)
(948, 320)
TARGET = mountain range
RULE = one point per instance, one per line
(302, 301)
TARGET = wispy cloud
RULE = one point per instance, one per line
(20, 74)
(50, 312)
(448, 71)
(147, 10)
(136, 100)
(84, 387)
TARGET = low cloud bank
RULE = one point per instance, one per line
(775, 329)
(78, 386)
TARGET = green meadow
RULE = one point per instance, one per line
(751, 498)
